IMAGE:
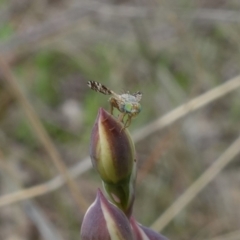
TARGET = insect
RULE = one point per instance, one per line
(128, 104)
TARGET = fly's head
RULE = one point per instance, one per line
(132, 108)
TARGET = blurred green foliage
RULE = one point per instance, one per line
(6, 30)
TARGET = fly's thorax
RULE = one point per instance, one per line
(126, 97)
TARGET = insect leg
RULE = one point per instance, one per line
(111, 108)
(112, 104)
(121, 117)
(128, 122)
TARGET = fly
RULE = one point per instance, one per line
(126, 103)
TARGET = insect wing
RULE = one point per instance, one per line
(138, 96)
(98, 87)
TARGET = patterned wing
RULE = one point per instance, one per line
(138, 96)
(98, 87)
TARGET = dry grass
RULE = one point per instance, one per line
(183, 55)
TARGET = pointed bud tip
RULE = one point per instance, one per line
(109, 122)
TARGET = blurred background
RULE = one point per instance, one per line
(172, 51)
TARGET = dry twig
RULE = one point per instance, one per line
(45, 227)
(155, 126)
(229, 236)
(198, 185)
(190, 106)
(41, 133)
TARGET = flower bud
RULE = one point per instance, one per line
(113, 155)
(112, 150)
(143, 233)
(104, 221)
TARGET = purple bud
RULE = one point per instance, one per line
(144, 233)
(112, 150)
(104, 221)
(113, 155)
